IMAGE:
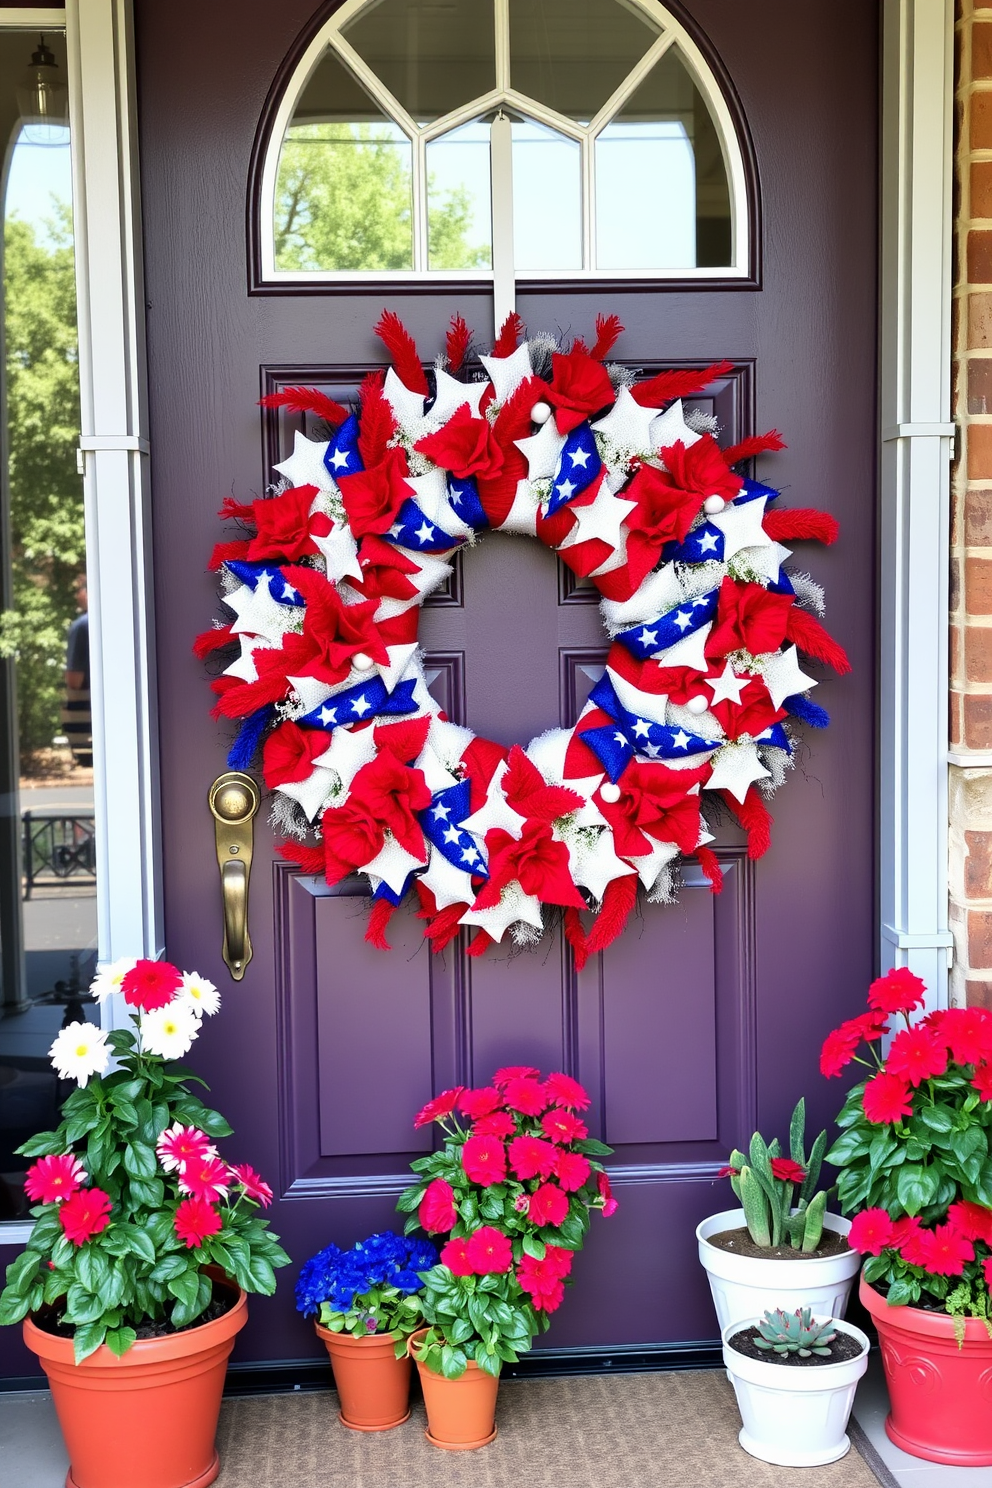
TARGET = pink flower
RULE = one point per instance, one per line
(839, 1047)
(572, 1170)
(908, 1239)
(509, 1072)
(441, 1105)
(786, 1170)
(916, 1055)
(561, 1126)
(195, 1220)
(982, 1081)
(476, 1103)
(489, 1251)
(500, 1124)
(52, 1179)
(484, 1160)
(532, 1158)
(454, 1255)
(252, 1183)
(973, 1220)
(946, 1250)
(181, 1144)
(871, 1231)
(562, 1090)
(548, 1206)
(84, 1214)
(887, 1099)
(967, 1032)
(526, 1096)
(610, 1204)
(205, 1178)
(151, 984)
(437, 1213)
(898, 991)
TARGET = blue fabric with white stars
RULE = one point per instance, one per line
(342, 456)
(578, 466)
(370, 699)
(665, 630)
(463, 498)
(441, 821)
(253, 574)
(412, 530)
(615, 745)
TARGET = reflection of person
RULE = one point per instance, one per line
(76, 718)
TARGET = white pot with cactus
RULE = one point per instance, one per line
(794, 1377)
(781, 1248)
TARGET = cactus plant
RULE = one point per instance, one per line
(765, 1183)
(795, 1333)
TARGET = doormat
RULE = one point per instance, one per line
(666, 1430)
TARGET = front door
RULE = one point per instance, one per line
(705, 1019)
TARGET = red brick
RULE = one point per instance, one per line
(980, 319)
(978, 865)
(978, 519)
(978, 653)
(980, 133)
(980, 938)
(978, 586)
(980, 451)
(980, 382)
(981, 188)
(981, 50)
(977, 721)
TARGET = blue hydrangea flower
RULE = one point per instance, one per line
(422, 1255)
(407, 1281)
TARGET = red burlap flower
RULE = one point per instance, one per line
(539, 863)
(465, 446)
(290, 752)
(372, 498)
(385, 794)
(282, 524)
(655, 801)
(580, 386)
(748, 618)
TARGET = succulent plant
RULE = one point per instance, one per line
(795, 1333)
(767, 1197)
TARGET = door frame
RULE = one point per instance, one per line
(915, 444)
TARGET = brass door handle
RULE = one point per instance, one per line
(233, 802)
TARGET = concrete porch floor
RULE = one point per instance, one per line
(33, 1456)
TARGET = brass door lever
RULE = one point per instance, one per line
(233, 801)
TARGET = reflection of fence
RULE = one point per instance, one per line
(57, 849)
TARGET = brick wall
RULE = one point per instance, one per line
(971, 510)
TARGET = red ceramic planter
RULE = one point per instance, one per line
(940, 1394)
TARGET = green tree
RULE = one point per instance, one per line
(344, 201)
(47, 542)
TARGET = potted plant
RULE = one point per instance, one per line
(915, 1166)
(781, 1247)
(794, 1378)
(512, 1188)
(368, 1303)
(145, 1241)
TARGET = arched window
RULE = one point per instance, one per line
(504, 140)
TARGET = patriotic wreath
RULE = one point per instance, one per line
(703, 680)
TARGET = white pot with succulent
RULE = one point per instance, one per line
(780, 1248)
(794, 1377)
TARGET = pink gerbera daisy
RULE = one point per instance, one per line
(253, 1185)
(205, 1178)
(51, 1179)
(182, 1144)
(195, 1220)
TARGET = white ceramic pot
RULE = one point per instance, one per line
(794, 1416)
(747, 1286)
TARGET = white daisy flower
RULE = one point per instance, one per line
(79, 1051)
(169, 1031)
(108, 980)
(201, 995)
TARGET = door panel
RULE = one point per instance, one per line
(706, 1017)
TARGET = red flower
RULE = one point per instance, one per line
(656, 801)
(973, 1220)
(477, 1103)
(253, 1184)
(543, 1279)
(151, 984)
(484, 1160)
(527, 1096)
(548, 1206)
(558, 1260)
(373, 497)
(572, 1170)
(489, 1251)
(195, 1220)
(84, 1214)
(441, 1105)
(916, 1055)
(500, 1124)
(509, 1072)
(908, 1238)
(532, 1158)
(787, 1170)
(871, 1231)
(728, 1172)
(562, 1090)
(536, 860)
(946, 1250)
(282, 524)
(839, 1046)
(437, 1212)
(887, 1099)
(205, 1178)
(898, 991)
(290, 752)
(333, 633)
(464, 445)
(454, 1255)
(967, 1032)
(749, 618)
(51, 1179)
(562, 1126)
(606, 1194)
(580, 385)
(982, 1081)
(385, 795)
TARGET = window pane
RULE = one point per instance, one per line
(573, 54)
(459, 199)
(344, 185)
(547, 198)
(47, 885)
(432, 55)
(662, 195)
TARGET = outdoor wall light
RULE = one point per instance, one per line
(43, 99)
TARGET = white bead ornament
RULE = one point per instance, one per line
(610, 792)
(697, 704)
(540, 413)
(362, 662)
(713, 505)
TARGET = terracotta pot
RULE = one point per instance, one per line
(461, 1413)
(149, 1419)
(373, 1385)
(940, 1394)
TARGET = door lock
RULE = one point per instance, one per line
(233, 802)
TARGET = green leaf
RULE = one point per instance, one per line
(459, 1330)
(168, 1267)
(410, 1199)
(87, 1340)
(22, 1271)
(900, 1293)
(592, 1148)
(139, 1160)
(82, 1306)
(915, 1187)
(92, 1267)
(146, 1192)
(119, 1340)
(42, 1144)
(140, 1244)
(214, 1124)
(261, 1276)
(534, 1246)
(937, 1118)
(453, 1362)
(13, 1307)
(184, 1287)
(77, 1126)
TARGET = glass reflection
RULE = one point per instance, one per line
(572, 55)
(459, 199)
(547, 198)
(432, 57)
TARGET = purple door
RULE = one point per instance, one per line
(705, 1019)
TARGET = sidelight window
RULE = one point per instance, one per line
(503, 139)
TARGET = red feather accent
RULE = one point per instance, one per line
(576, 936)
(223, 551)
(310, 859)
(480, 944)
(608, 328)
(755, 818)
(378, 422)
(444, 926)
(306, 400)
(243, 511)
(509, 335)
(667, 385)
(618, 901)
(758, 444)
(403, 349)
(375, 931)
(710, 864)
(212, 640)
(513, 422)
(799, 522)
(457, 342)
(809, 635)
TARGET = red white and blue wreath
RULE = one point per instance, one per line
(703, 681)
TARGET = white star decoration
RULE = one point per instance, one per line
(671, 427)
(783, 676)
(408, 407)
(735, 767)
(594, 866)
(741, 527)
(349, 750)
(496, 812)
(340, 553)
(245, 667)
(258, 613)
(507, 373)
(514, 905)
(542, 451)
(628, 425)
(690, 651)
(601, 518)
(392, 864)
(451, 394)
(305, 466)
(448, 884)
(650, 864)
(728, 686)
(312, 793)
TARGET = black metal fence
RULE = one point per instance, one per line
(58, 850)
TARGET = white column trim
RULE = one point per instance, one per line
(915, 434)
